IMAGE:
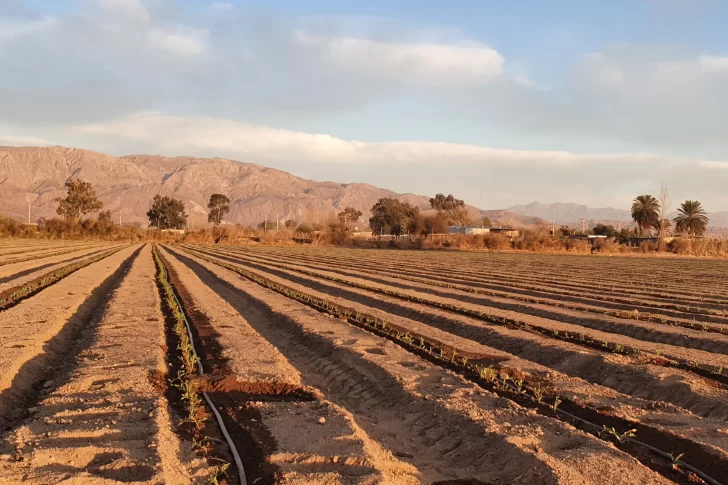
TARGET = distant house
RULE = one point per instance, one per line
(467, 230)
(508, 231)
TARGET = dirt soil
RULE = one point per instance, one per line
(100, 419)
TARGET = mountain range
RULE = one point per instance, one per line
(126, 185)
(569, 213)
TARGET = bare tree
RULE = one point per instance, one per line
(664, 198)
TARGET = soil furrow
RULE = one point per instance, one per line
(313, 344)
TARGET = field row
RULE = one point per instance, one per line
(326, 370)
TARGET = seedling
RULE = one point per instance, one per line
(217, 474)
(556, 403)
(676, 461)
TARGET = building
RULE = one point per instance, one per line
(507, 231)
(467, 230)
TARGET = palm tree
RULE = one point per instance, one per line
(691, 219)
(645, 212)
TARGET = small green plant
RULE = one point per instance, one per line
(676, 461)
(556, 403)
(538, 391)
(465, 361)
(630, 433)
(489, 374)
(218, 473)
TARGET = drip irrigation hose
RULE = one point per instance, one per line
(598, 429)
(218, 417)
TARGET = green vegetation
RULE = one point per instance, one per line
(167, 213)
(691, 219)
(391, 216)
(645, 212)
(79, 201)
(219, 205)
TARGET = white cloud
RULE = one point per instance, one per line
(221, 6)
(10, 29)
(412, 62)
(262, 143)
(130, 8)
(24, 140)
(179, 40)
(714, 164)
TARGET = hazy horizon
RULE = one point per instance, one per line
(521, 103)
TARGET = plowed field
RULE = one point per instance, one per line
(178, 364)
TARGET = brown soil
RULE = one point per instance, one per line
(100, 419)
(377, 386)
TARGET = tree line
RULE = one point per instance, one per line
(388, 215)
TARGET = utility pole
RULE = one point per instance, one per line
(278, 218)
(265, 227)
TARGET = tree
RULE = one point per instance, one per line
(691, 219)
(349, 215)
(645, 212)
(290, 224)
(167, 213)
(664, 199)
(604, 230)
(453, 209)
(391, 216)
(267, 226)
(487, 222)
(79, 201)
(219, 206)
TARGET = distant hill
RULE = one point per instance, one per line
(570, 213)
(565, 213)
(129, 184)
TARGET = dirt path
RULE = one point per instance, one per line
(445, 427)
(256, 377)
(103, 421)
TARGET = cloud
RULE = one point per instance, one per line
(221, 6)
(472, 62)
(13, 28)
(179, 40)
(130, 8)
(715, 165)
(263, 143)
(24, 140)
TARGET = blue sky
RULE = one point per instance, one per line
(579, 101)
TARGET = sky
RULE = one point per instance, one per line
(500, 103)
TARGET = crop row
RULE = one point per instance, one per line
(625, 314)
(581, 339)
(520, 282)
(509, 383)
(14, 295)
(187, 381)
(41, 256)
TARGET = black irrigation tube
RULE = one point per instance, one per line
(570, 337)
(369, 323)
(236, 456)
(26, 290)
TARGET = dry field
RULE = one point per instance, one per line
(358, 366)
